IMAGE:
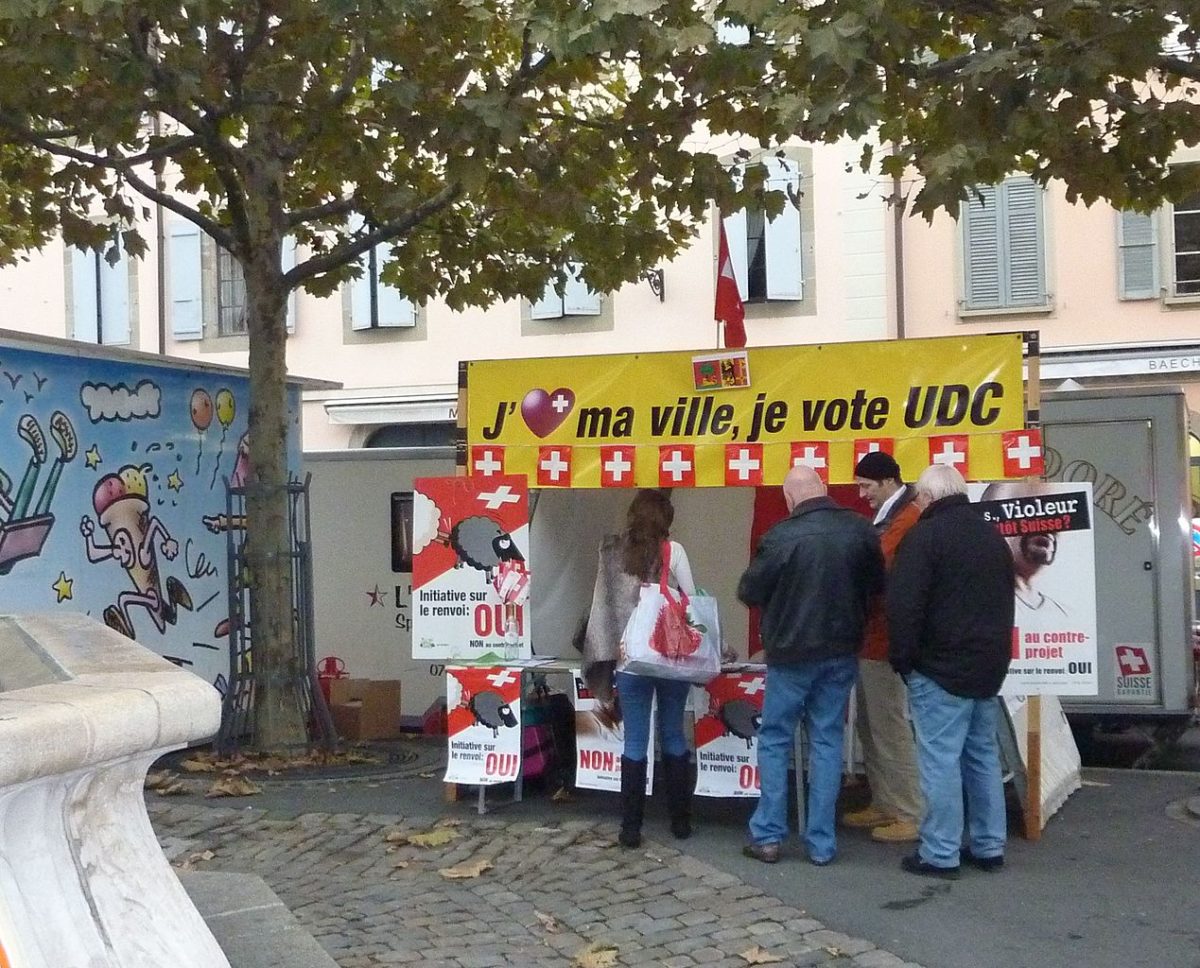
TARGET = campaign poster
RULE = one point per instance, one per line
(599, 743)
(471, 568)
(1049, 529)
(483, 712)
(727, 734)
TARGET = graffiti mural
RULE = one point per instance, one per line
(112, 488)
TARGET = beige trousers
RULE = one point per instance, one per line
(887, 741)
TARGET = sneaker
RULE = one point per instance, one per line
(914, 865)
(896, 832)
(990, 864)
(767, 853)
(866, 818)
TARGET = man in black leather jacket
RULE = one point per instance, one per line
(813, 576)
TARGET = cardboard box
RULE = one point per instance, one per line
(365, 708)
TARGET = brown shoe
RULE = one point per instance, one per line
(767, 853)
(866, 818)
(896, 832)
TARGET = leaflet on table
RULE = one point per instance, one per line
(1050, 531)
(483, 711)
(471, 568)
(728, 715)
(599, 744)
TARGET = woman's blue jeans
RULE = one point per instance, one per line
(637, 700)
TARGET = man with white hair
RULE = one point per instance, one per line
(950, 621)
(812, 575)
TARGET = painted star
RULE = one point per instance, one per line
(92, 457)
(376, 597)
(64, 587)
(174, 481)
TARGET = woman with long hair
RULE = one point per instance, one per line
(626, 561)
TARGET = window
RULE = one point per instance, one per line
(767, 253)
(1185, 239)
(1137, 257)
(231, 296)
(373, 303)
(100, 297)
(576, 298)
(1003, 246)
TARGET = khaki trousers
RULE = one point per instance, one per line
(887, 741)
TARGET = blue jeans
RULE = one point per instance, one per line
(818, 691)
(957, 752)
(637, 698)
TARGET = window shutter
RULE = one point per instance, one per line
(392, 307)
(735, 35)
(184, 279)
(549, 305)
(114, 300)
(1137, 261)
(784, 277)
(360, 297)
(981, 248)
(735, 236)
(578, 299)
(85, 309)
(288, 263)
(1022, 213)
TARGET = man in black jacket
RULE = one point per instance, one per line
(950, 622)
(812, 575)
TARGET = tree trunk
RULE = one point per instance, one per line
(278, 674)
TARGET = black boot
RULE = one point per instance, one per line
(633, 801)
(679, 794)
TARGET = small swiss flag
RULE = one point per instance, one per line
(814, 454)
(616, 466)
(487, 461)
(677, 465)
(554, 467)
(869, 445)
(743, 465)
(951, 450)
(1022, 453)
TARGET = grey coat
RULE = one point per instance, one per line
(613, 601)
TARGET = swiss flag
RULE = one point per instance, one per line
(868, 445)
(554, 467)
(814, 454)
(951, 450)
(616, 466)
(729, 309)
(1022, 453)
(743, 465)
(487, 461)
(677, 465)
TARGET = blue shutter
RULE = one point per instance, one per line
(85, 310)
(735, 236)
(287, 261)
(184, 279)
(578, 299)
(784, 277)
(392, 307)
(1024, 251)
(114, 300)
(1137, 257)
(549, 305)
(981, 249)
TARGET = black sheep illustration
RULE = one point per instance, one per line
(481, 543)
(741, 718)
(492, 711)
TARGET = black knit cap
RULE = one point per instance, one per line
(878, 466)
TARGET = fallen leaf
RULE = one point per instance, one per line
(173, 789)
(158, 779)
(233, 786)
(448, 822)
(758, 955)
(400, 864)
(469, 868)
(193, 859)
(437, 837)
(561, 795)
(395, 837)
(548, 922)
(835, 951)
(197, 766)
(596, 955)
(426, 776)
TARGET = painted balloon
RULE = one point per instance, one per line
(202, 409)
(225, 408)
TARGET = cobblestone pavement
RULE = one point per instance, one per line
(552, 892)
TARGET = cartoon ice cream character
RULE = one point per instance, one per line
(122, 507)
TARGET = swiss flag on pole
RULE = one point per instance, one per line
(677, 465)
(616, 466)
(487, 461)
(729, 309)
(743, 465)
(554, 467)
(1022, 453)
(951, 450)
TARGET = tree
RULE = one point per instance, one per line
(488, 141)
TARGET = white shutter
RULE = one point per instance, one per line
(578, 299)
(184, 280)
(549, 305)
(114, 300)
(287, 260)
(360, 297)
(1024, 251)
(392, 307)
(84, 306)
(981, 248)
(735, 237)
(1137, 258)
(784, 277)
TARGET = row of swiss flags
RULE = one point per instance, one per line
(1022, 455)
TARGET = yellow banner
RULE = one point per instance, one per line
(745, 416)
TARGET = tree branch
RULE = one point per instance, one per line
(222, 235)
(1169, 64)
(335, 207)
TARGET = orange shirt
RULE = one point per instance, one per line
(875, 640)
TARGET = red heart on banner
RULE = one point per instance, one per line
(543, 412)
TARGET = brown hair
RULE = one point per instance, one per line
(647, 526)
